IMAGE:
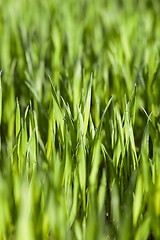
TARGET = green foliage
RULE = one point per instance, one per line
(79, 119)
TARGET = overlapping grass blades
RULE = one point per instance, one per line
(79, 119)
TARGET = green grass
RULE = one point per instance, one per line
(79, 119)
